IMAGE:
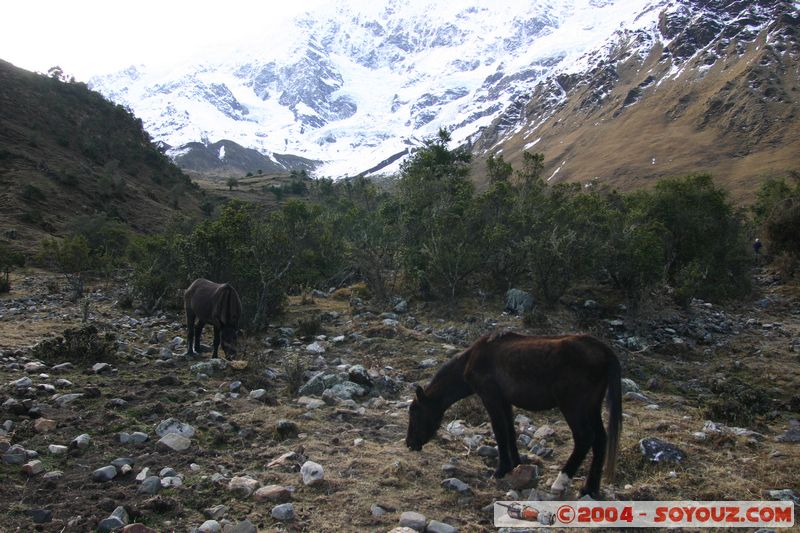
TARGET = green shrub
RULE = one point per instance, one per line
(8, 261)
(84, 344)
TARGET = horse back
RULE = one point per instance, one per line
(540, 372)
(215, 303)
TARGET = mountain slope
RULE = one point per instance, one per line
(65, 151)
(709, 87)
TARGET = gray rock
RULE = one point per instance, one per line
(635, 396)
(106, 473)
(786, 495)
(81, 442)
(659, 451)
(428, 363)
(23, 383)
(121, 462)
(57, 449)
(518, 302)
(544, 432)
(174, 442)
(434, 526)
(15, 455)
(40, 516)
(791, 435)
(117, 520)
(413, 520)
(172, 425)
(377, 511)
(628, 385)
(359, 375)
(317, 347)
(210, 526)
(151, 485)
(456, 485)
(401, 307)
(347, 390)
(209, 367)
(312, 473)
(487, 451)
(243, 486)
(245, 526)
(33, 468)
(63, 367)
(216, 512)
(101, 368)
(273, 493)
(283, 511)
(53, 475)
(66, 399)
(314, 386)
(137, 437)
(258, 394)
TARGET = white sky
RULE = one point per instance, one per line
(90, 37)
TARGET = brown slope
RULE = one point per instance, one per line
(733, 110)
(65, 151)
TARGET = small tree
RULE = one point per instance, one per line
(231, 183)
(8, 261)
(498, 169)
(71, 257)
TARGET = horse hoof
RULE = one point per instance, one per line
(500, 473)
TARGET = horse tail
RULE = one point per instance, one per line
(614, 398)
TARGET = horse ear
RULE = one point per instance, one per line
(421, 394)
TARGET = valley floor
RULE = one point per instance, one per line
(740, 361)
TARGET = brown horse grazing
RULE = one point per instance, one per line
(571, 372)
(215, 304)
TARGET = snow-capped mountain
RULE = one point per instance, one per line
(358, 83)
(355, 83)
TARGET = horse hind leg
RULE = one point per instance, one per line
(190, 330)
(582, 437)
(592, 487)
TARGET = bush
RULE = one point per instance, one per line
(84, 344)
(71, 257)
(8, 261)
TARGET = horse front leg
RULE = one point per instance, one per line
(190, 333)
(216, 342)
(502, 425)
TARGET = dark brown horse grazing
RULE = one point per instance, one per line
(215, 304)
(571, 372)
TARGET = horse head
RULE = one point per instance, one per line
(424, 418)
(228, 336)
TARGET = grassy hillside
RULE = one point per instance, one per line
(66, 152)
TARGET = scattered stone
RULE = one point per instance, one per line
(216, 512)
(66, 399)
(456, 485)
(138, 528)
(122, 462)
(285, 429)
(358, 374)
(23, 383)
(101, 368)
(142, 475)
(117, 520)
(32, 468)
(316, 347)
(172, 425)
(544, 432)
(57, 449)
(523, 477)
(43, 425)
(137, 437)
(106, 473)
(63, 367)
(786, 495)
(258, 394)
(487, 451)
(167, 472)
(81, 442)
(53, 475)
(635, 396)
(243, 486)
(151, 485)
(209, 367)
(434, 526)
(628, 385)
(791, 435)
(15, 455)
(659, 451)
(312, 473)
(245, 526)
(34, 367)
(174, 442)
(377, 511)
(310, 403)
(40, 516)
(413, 520)
(273, 493)
(283, 511)
(518, 302)
(210, 526)
(428, 363)
(171, 482)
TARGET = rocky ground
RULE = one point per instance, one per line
(102, 431)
